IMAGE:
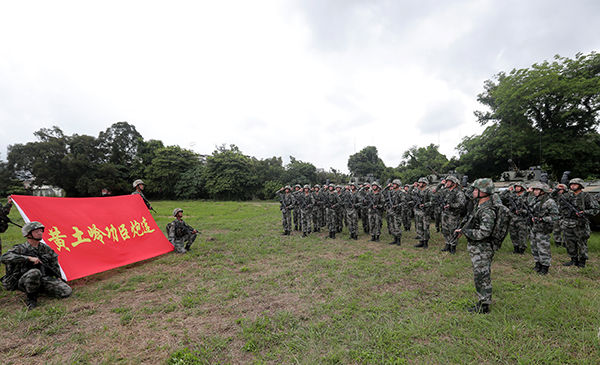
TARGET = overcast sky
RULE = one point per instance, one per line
(315, 79)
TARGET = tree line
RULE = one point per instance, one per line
(545, 115)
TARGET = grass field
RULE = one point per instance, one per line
(247, 294)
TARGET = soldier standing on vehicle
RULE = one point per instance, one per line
(478, 231)
(576, 227)
(545, 213)
(454, 203)
(139, 186)
(180, 234)
(32, 267)
(422, 204)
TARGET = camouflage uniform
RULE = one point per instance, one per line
(395, 201)
(557, 232)
(407, 212)
(323, 194)
(306, 202)
(519, 224)
(139, 192)
(456, 201)
(350, 202)
(422, 197)
(317, 209)
(364, 209)
(32, 279)
(376, 203)
(438, 196)
(287, 201)
(333, 202)
(545, 213)
(296, 208)
(4, 212)
(576, 229)
(181, 235)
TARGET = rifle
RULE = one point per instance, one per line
(572, 208)
(46, 267)
(8, 220)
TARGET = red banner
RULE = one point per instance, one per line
(91, 235)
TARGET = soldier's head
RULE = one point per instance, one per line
(396, 183)
(306, 188)
(352, 186)
(422, 182)
(33, 230)
(576, 184)
(406, 187)
(561, 188)
(375, 186)
(519, 187)
(367, 186)
(297, 187)
(331, 188)
(483, 188)
(539, 188)
(138, 184)
(338, 188)
(288, 189)
(317, 187)
(178, 213)
(451, 182)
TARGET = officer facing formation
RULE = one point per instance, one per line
(32, 267)
(180, 234)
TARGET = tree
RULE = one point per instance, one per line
(230, 174)
(299, 172)
(366, 162)
(422, 161)
(166, 169)
(546, 114)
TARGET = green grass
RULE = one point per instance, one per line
(247, 294)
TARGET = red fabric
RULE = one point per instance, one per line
(91, 235)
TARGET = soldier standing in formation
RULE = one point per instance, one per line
(32, 267)
(316, 212)
(545, 213)
(306, 201)
(407, 212)
(351, 204)
(364, 208)
(422, 204)
(396, 201)
(376, 203)
(557, 230)
(333, 202)
(287, 202)
(296, 208)
(454, 203)
(575, 207)
(438, 198)
(516, 200)
(179, 233)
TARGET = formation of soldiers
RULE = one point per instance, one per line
(483, 215)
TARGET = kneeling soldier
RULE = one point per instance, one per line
(180, 234)
(32, 267)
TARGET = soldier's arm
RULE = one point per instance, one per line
(487, 220)
(591, 205)
(551, 214)
(14, 256)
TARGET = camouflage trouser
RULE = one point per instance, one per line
(481, 257)
(394, 224)
(339, 219)
(540, 247)
(364, 212)
(33, 282)
(316, 217)
(422, 224)
(296, 215)
(323, 217)
(286, 220)
(182, 244)
(557, 234)
(450, 223)
(374, 222)
(576, 233)
(406, 219)
(331, 220)
(437, 215)
(352, 219)
(518, 232)
(305, 218)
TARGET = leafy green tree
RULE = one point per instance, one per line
(191, 183)
(166, 169)
(422, 161)
(299, 172)
(366, 162)
(230, 174)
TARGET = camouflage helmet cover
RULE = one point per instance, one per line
(453, 178)
(539, 185)
(423, 180)
(576, 181)
(317, 186)
(562, 186)
(177, 210)
(297, 186)
(375, 183)
(397, 182)
(287, 187)
(520, 183)
(485, 185)
(306, 186)
(138, 182)
(31, 226)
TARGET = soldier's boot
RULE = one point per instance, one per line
(581, 263)
(544, 269)
(537, 267)
(398, 240)
(31, 300)
(188, 246)
(425, 243)
(421, 244)
(453, 250)
(372, 238)
(571, 263)
(333, 234)
(304, 234)
(394, 241)
(480, 308)
(516, 249)
(377, 238)
(446, 248)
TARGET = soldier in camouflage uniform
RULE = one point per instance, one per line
(339, 211)
(306, 201)
(317, 208)
(557, 230)
(395, 201)
(4, 212)
(478, 231)
(139, 186)
(323, 198)
(376, 203)
(515, 200)
(438, 199)
(454, 203)
(578, 205)
(179, 233)
(296, 208)
(408, 208)
(422, 203)
(351, 203)
(364, 209)
(545, 213)
(286, 201)
(32, 267)
(333, 202)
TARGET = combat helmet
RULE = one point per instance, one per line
(485, 185)
(397, 182)
(540, 185)
(297, 186)
(306, 186)
(177, 210)
(375, 183)
(576, 181)
(31, 226)
(562, 187)
(423, 180)
(287, 187)
(453, 178)
(138, 182)
(317, 186)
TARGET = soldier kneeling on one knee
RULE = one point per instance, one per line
(32, 267)
(180, 234)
